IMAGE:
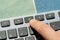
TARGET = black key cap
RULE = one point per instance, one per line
(19, 39)
(5, 23)
(18, 21)
(30, 38)
(39, 17)
(59, 14)
(27, 19)
(3, 35)
(37, 35)
(55, 25)
(31, 31)
(50, 16)
(23, 31)
(12, 33)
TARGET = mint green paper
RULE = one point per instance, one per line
(14, 8)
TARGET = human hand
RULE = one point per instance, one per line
(45, 30)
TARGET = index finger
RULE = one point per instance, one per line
(45, 30)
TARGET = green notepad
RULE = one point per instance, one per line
(14, 8)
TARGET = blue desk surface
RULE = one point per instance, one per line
(47, 5)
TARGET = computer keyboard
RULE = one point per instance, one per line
(18, 28)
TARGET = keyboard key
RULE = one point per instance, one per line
(27, 19)
(37, 35)
(30, 38)
(50, 16)
(3, 35)
(18, 21)
(55, 25)
(31, 31)
(19, 39)
(5, 23)
(12, 33)
(23, 31)
(39, 17)
(59, 14)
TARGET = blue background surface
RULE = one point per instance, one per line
(47, 5)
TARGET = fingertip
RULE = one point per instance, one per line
(32, 21)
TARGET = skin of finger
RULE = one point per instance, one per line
(58, 33)
(45, 30)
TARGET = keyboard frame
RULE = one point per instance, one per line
(13, 26)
